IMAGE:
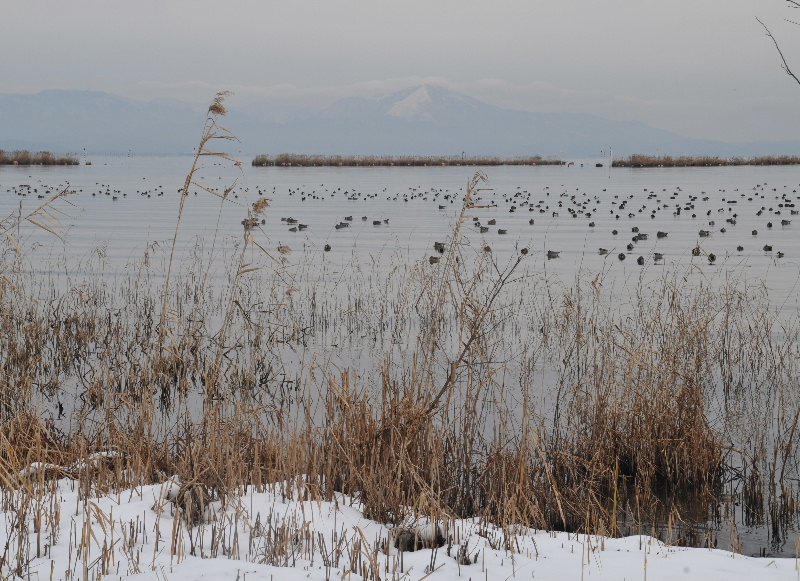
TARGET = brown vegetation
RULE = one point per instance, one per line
(23, 157)
(639, 160)
(300, 160)
(645, 420)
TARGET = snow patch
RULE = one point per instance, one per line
(413, 106)
(267, 534)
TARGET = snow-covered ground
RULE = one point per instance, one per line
(272, 536)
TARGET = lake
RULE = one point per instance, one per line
(124, 204)
(349, 295)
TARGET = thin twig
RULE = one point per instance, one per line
(785, 65)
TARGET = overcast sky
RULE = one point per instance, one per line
(702, 68)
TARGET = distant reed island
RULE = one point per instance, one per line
(24, 157)
(297, 160)
(638, 160)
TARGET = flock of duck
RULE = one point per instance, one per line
(24, 190)
(551, 203)
(577, 204)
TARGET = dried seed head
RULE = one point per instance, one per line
(217, 108)
(259, 206)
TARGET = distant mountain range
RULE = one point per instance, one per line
(424, 120)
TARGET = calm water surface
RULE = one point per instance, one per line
(124, 204)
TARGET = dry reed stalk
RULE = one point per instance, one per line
(211, 131)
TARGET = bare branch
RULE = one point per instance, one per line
(785, 65)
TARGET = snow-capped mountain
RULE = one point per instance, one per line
(422, 120)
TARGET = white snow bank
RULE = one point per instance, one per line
(266, 536)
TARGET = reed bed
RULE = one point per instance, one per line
(24, 157)
(486, 390)
(636, 160)
(300, 160)
(640, 160)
